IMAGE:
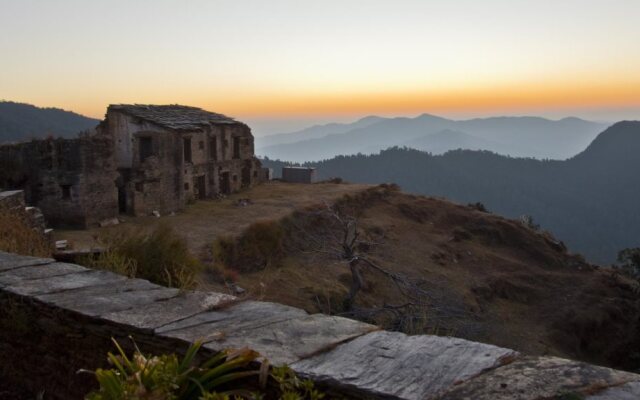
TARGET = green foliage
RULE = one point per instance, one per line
(227, 375)
(160, 256)
(16, 236)
(261, 245)
(167, 377)
(294, 388)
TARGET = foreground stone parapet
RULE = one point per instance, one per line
(158, 314)
(628, 391)
(12, 261)
(394, 365)
(541, 378)
(76, 310)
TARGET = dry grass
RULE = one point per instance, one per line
(16, 236)
(260, 246)
(159, 256)
(204, 221)
(492, 280)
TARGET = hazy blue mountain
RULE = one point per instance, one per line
(314, 132)
(19, 121)
(514, 136)
(590, 201)
(447, 140)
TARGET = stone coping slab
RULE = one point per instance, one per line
(294, 339)
(540, 378)
(111, 297)
(628, 391)
(241, 315)
(61, 283)
(394, 365)
(41, 271)
(161, 313)
(11, 261)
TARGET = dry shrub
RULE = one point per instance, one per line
(112, 261)
(413, 212)
(17, 236)
(355, 204)
(261, 245)
(161, 257)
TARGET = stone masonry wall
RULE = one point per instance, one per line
(70, 180)
(163, 180)
(56, 318)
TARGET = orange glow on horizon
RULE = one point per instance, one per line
(460, 100)
(488, 99)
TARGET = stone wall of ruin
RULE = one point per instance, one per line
(57, 318)
(164, 181)
(70, 180)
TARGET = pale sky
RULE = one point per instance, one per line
(283, 63)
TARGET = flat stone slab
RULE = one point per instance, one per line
(11, 261)
(14, 276)
(160, 313)
(103, 299)
(241, 316)
(532, 378)
(396, 366)
(628, 391)
(64, 282)
(291, 340)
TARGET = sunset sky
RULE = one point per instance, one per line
(282, 64)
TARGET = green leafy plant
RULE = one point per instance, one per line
(167, 377)
(294, 388)
(224, 376)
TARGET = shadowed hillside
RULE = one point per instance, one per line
(589, 201)
(19, 121)
(487, 278)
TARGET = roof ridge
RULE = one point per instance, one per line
(174, 116)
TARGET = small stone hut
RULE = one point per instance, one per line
(298, 174)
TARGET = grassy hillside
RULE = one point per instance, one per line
(480, 276)
(19, 121)
(487, 278)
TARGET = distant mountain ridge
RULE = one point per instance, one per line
(590, 200)
(515, 136)
(20, 121)
(314, 132)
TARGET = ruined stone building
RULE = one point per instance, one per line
(140, 159)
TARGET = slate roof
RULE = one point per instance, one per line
(174, 116)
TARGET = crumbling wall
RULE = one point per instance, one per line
(157, 173)
(70, 180)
